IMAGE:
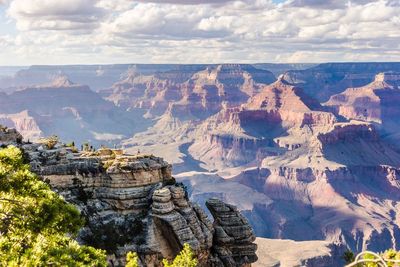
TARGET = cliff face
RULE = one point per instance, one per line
(256, 129)
(329, 190)
(375, 102)
(132, 203)
(189, 94)
(24, 123)
(71, 111)
(323, 176)
(320, 171)
(325, 80)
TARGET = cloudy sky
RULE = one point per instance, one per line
(197, 31)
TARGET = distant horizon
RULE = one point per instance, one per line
(194, 64)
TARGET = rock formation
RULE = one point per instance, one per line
(69, 110)
(318, 173)
(233, 235)
(237, 136)
(189, 95)
(132, 203)
(295, 168)
(327, 79)
(24, 123)
(9, 136)
(321, 175)
(376, 102)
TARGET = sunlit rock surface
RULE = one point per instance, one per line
(132, 203)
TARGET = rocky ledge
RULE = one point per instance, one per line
(132, 203)
(9, 136)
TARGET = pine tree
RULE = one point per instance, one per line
(185, 258)
(132, 259)
(37, 226)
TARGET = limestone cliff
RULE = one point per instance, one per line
(375, 102)
(132, 203)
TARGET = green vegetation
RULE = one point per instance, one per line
(50, 141)
(348, 256)
(72, 146)
(185, 258)
(36, 225)
(107, 164)
(391, 257)
(132, 259)
(110, 235)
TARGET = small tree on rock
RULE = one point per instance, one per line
(37, 226)
(185, 258)
(132, 259)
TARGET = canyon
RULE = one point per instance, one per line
(307, 153)
(132, 203)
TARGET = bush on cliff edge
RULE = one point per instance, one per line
(37, 226)
(185, 258)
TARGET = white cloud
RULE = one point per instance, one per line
(186, 2)
(55, 15)
(110, 31)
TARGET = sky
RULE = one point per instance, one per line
(198, 31)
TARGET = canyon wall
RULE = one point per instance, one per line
(132, 203)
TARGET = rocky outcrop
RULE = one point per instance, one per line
(180, 221)
(132, 203)
(245, 134)
(327, 79)
(9, 136)
(349, 132)
(189, 95)
(24, 123)
(376, 102)
(233, 236)
(68, 110)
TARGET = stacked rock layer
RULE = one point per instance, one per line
(132, 203)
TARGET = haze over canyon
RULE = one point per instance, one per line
(305, 151)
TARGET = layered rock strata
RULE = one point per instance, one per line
(132, 203)
(376, 102)
(195, 95)
(240, 135)
(233, 235)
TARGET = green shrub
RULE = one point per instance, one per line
(386, 256)
(50, 142)
(185, 258)
(72, 144)
(132, 259)
(36, 224)
(348, 256)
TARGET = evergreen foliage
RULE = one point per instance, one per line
(132, 259)
(185, 258)
(37, 226)
(390, 256)
(348, 256)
